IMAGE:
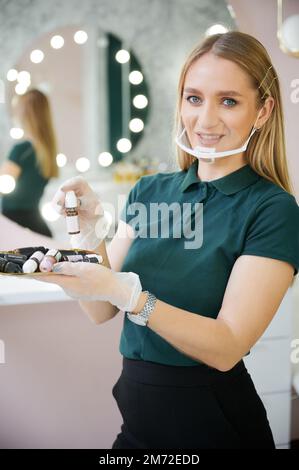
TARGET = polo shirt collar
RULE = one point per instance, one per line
(229, 184)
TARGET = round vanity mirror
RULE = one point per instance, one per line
(97, 91)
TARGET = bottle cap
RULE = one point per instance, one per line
(71, 199)
(55, 253)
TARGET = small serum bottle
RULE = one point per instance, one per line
(51, 257)
(9, 267)
(71, 209)
(32, 264)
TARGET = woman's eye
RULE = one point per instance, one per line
(229, 102)
(192, 99)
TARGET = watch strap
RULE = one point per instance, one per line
(142, 317)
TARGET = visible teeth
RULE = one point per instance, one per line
(210, 137)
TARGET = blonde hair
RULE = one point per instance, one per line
(34, 112)
(266, 152)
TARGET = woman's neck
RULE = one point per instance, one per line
(221, 167)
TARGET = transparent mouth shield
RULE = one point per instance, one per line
(210, 153)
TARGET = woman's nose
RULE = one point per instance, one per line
(207, 117)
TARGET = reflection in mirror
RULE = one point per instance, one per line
(30, 164)
(98, 93)
(99, 102)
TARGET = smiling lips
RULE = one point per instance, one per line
(209, 139)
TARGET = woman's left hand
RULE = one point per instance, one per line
(90, 282)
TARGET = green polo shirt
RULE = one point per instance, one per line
(30, 184)
(242, 213)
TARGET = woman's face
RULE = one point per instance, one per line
(218, 105)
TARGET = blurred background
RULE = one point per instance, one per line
(109, 70)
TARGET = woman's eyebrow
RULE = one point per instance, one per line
(219, 93)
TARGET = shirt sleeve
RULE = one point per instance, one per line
(21, 153)
(274, 232)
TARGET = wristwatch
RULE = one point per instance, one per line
(142, 317)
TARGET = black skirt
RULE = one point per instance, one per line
(197, 407)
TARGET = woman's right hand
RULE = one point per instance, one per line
(93, 224)
(89, 207)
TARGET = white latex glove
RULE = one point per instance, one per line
(85, 281)
(94, 225)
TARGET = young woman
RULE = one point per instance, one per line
(32, 162)
(195, 306)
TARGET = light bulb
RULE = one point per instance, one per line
(82, 164)
(105, 159)
(16, 133)
(80, 37)
(61, 160)
(290, 33)
(135, 77)
(57, 42)
(124, 145)
(136, 125)
(12, 75)
(122, 56)
(216, 29)
(37, 56)
(140, 101)
(7, 184)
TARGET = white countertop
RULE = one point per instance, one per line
(19, 290)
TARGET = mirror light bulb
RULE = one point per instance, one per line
(57, 42)
(135, 77)
(61, 160)
(216, 29)
(290, 33)
(12, 75)
(7, 184)
(122, 56)
(124, 145)
(80, 37)
(82, 164)
(136, 125)
(24, 78)
(16, 133)
(37, 56)
(140, 101)
(105, 159)
(21, 88)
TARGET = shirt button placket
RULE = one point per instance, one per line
(203, 191)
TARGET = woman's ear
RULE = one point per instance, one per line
(265, 112)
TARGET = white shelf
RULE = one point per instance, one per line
(17, 291)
